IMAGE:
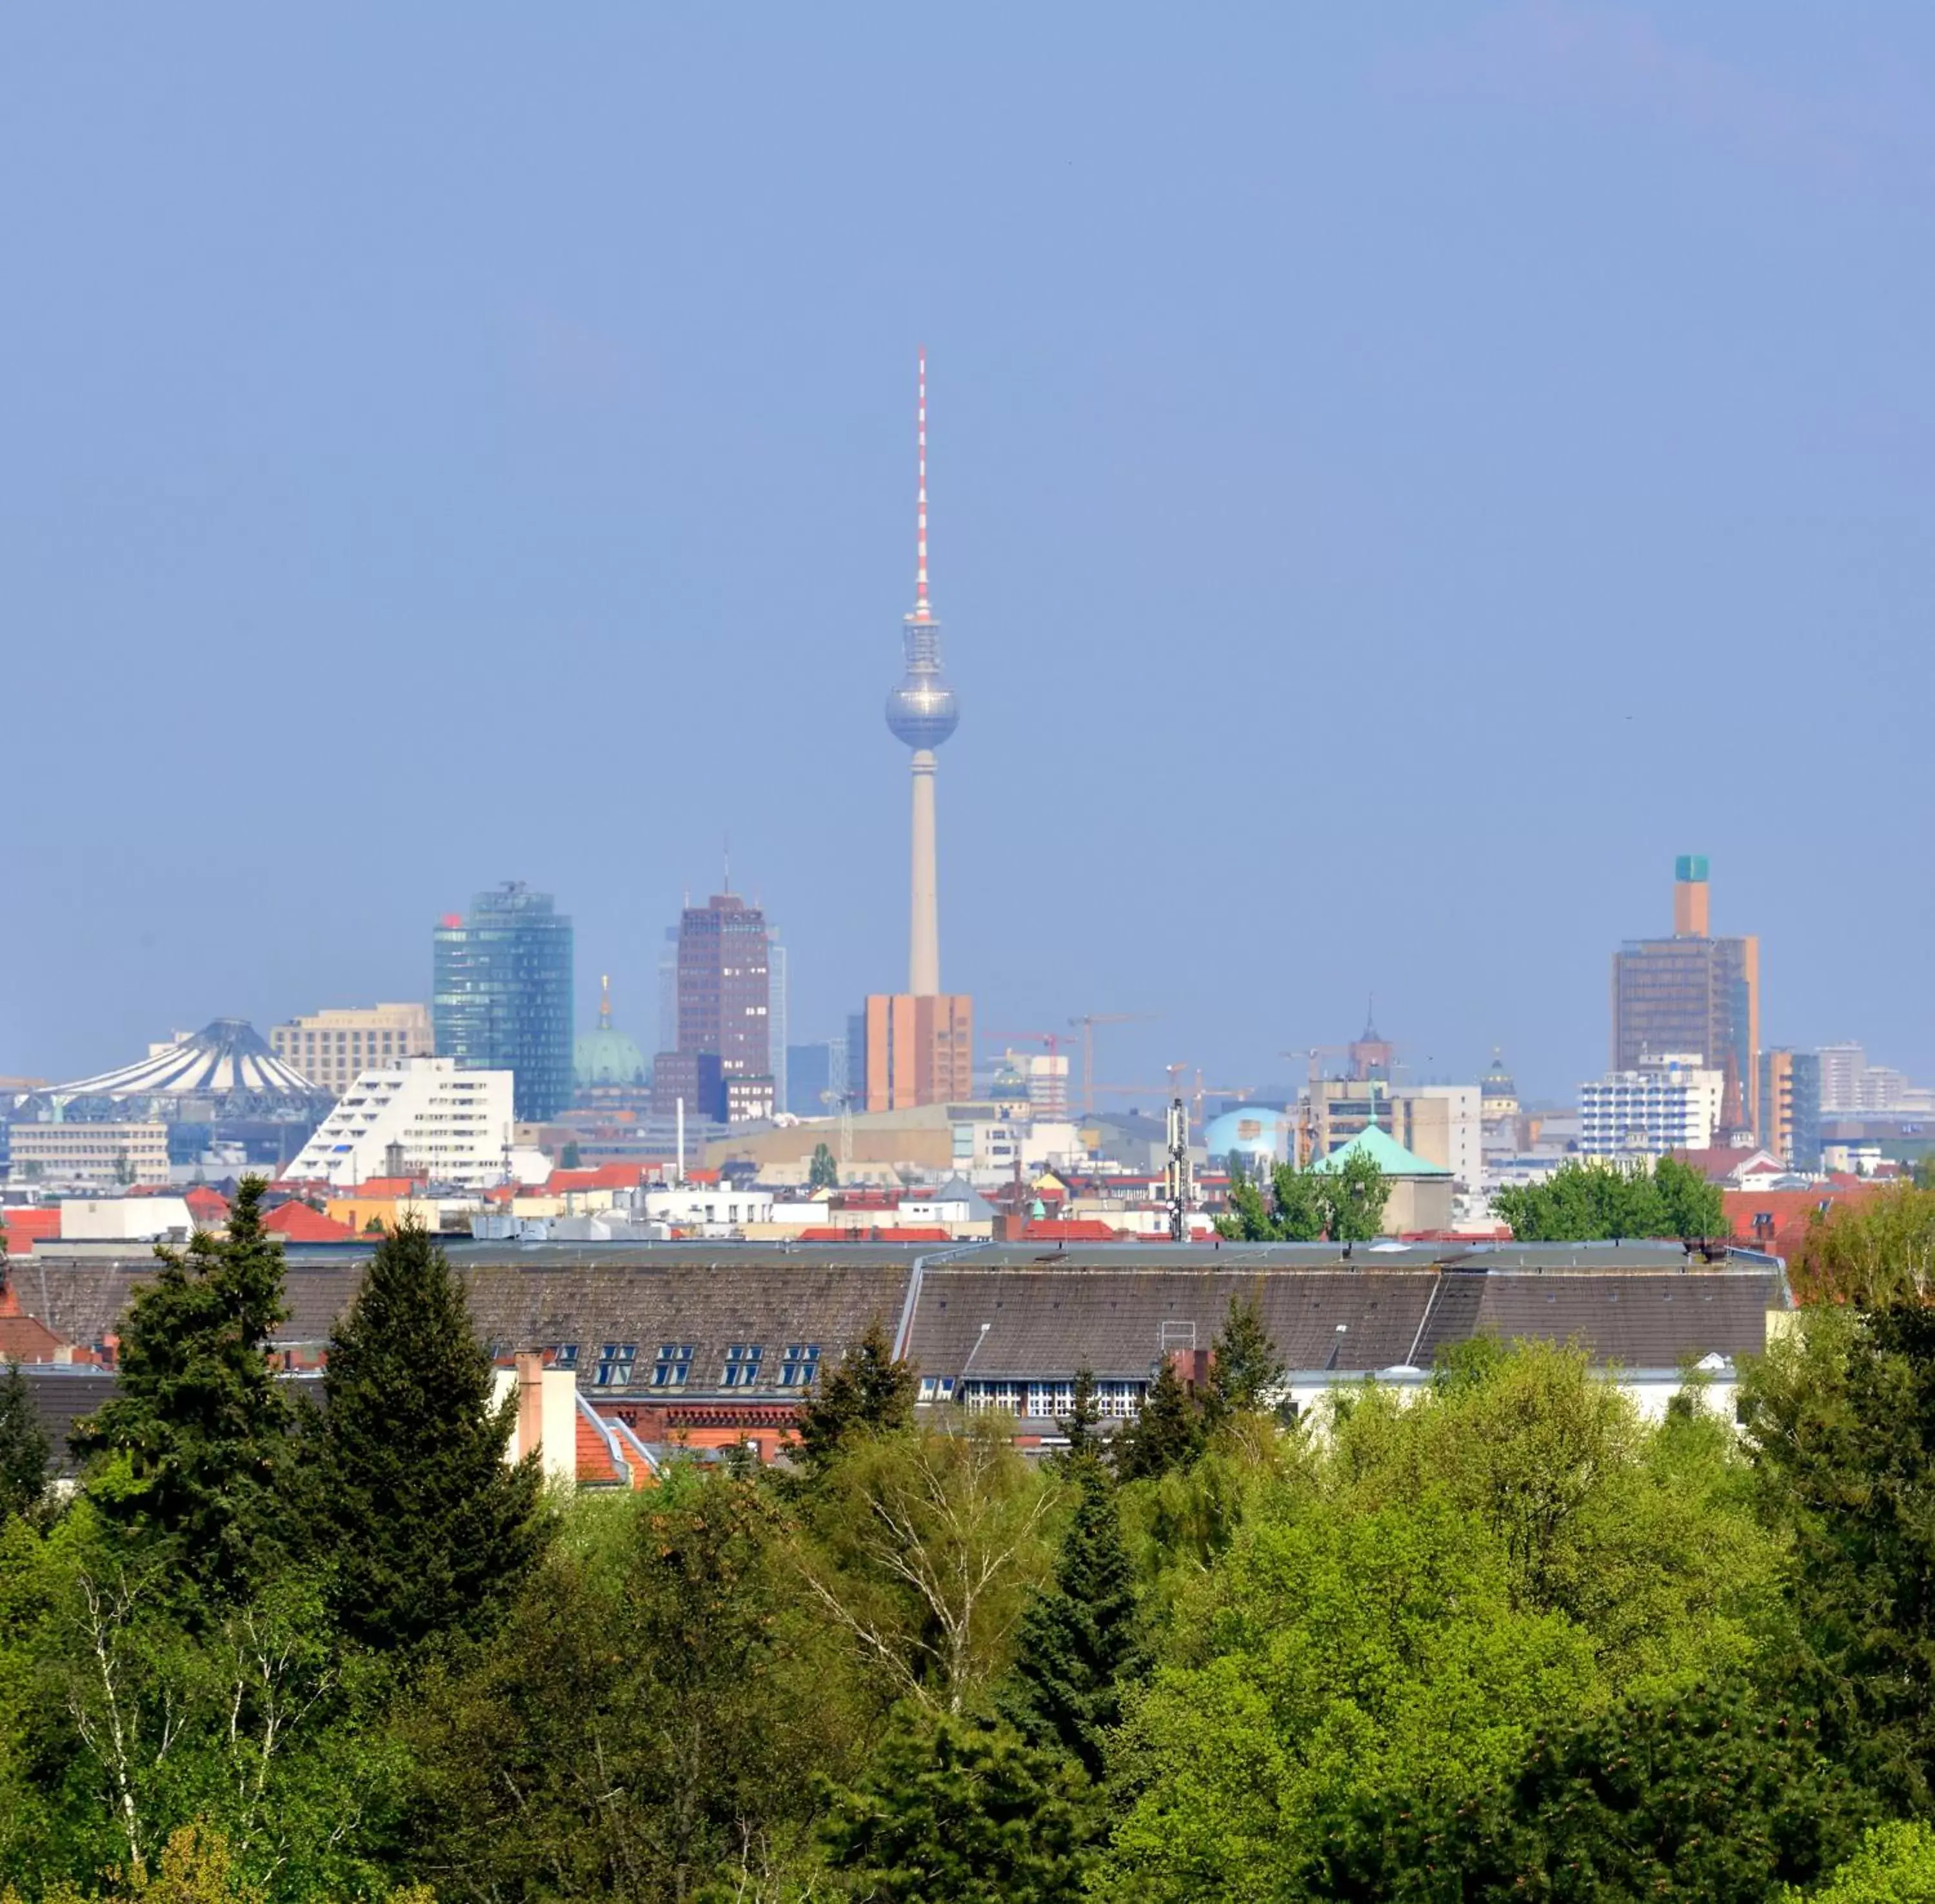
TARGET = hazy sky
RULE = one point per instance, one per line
(1400, 474)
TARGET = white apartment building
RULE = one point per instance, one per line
(717, 1210)
(1463, 1128)
(332, 1049)
(88, 1156)
(1669, 1104)
(453, 1127)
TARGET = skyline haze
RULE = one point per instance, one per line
(1396, 483)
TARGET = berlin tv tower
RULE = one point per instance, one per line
(920, 714)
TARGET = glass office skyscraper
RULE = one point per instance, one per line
(501, 995)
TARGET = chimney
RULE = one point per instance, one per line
(530, 1402)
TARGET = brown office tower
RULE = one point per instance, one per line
(920, 1049)
(725, 1009)
(1692, 995)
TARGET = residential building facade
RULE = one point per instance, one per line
(1671, 1104)
(425, 1116)
(1790, 1100)
(82, 1156)
(332, 1048)
(919, 1049)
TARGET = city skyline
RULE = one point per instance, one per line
(1513, 499)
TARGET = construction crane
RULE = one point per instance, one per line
(1086, 1024)
(1175, 1086)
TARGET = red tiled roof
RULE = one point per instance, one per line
(23, 1338)
(26, 1227)
(387, 1186)
(850, 1232)
(300, 1224)
(594, 1458)
(604, 1176)
(208, 1207)
(1790, 1210)
(1069, 1229)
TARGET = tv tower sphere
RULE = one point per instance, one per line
(922, 712)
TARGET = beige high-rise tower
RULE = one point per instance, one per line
(923, 1055)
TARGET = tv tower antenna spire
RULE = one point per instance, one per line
(920, 602)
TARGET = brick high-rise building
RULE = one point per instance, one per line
(1692, 995)
(919, 1050)
(724, 1004)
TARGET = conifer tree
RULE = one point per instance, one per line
(1084, 1416)
(1080, 1642)
(427, 1526)
(23, 1448)
(956, 1811)
(1167, 1433)
(199, 1417)
(1245, 1366)
(871, 1392)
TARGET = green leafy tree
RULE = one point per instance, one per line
(641, 1725)
(23, 1448)
(1596, 1201)
(1388, 1625)
(1871, 1250)
(198, 1420)
(956, 1810)
(823, 1173)
(1693, 1209)
(1302, 1211)
(1840, 1419)
(923, 1547)
(871, 1391)
(1895, 1865)
(1296, 1211)
(1245, 1367)
(1166, 1433)
(1080, 1643)
(1248, 1218)
(428, 1527)
(1354, 1195)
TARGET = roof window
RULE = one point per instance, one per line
(799, 1365)
(673, 1365)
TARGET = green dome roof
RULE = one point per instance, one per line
(1384, 1151)
(605, 1057)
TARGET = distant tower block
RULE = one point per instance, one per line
(1690, 915)
(921, 714)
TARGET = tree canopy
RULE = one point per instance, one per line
(1594, 1202)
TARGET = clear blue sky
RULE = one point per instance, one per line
(1400, 475)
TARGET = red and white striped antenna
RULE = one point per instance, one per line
(920, 608)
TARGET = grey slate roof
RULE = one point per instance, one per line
(1114, 1308)
(1045, 1323)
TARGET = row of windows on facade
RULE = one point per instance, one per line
(1115, 1401)
(617, 1366)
